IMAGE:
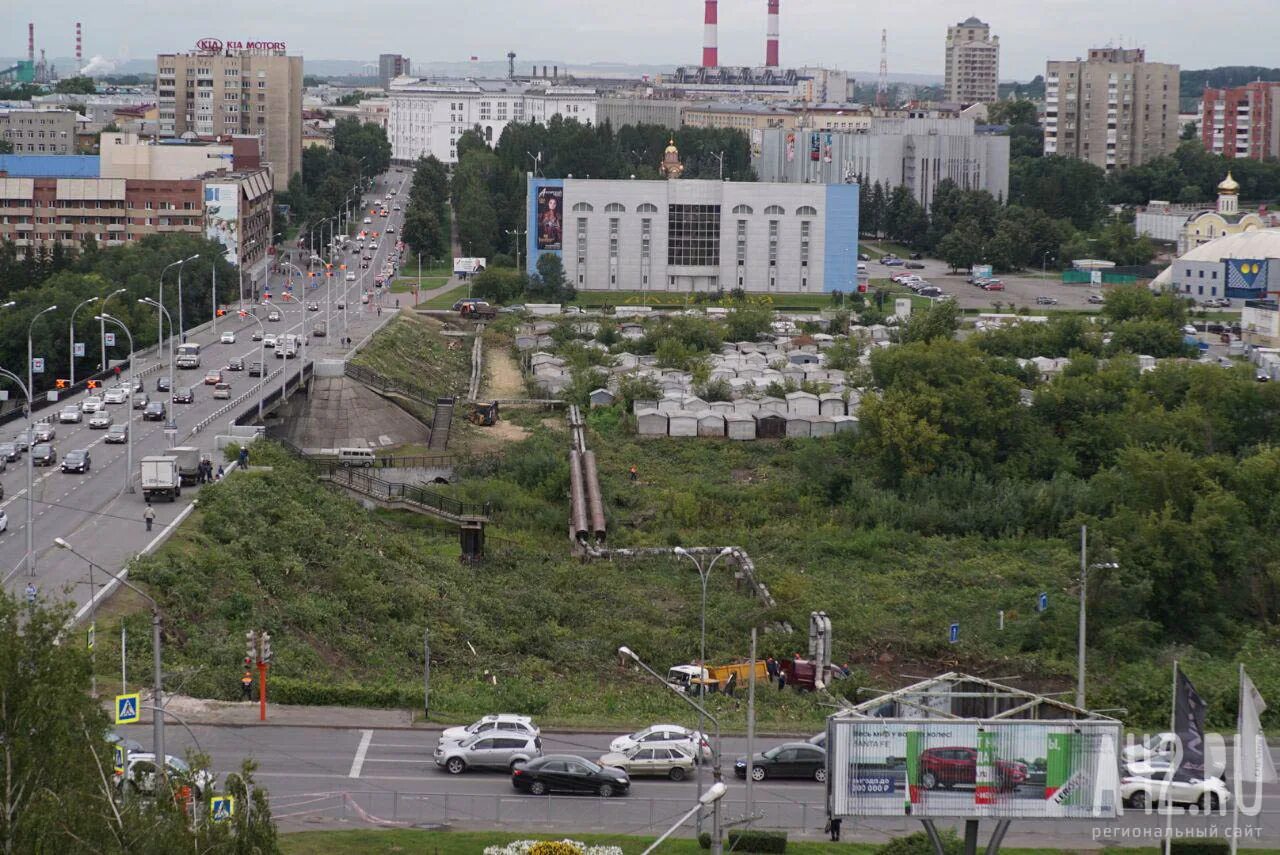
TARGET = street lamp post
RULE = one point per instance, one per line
(172, 416)
(71, 344)
(128, 419)
(159, 317)
(1085, 567)
(703, 575)
(717, 846)
(182, 333)
(102, 327)
(710, 797)
(262, 357)
(31, 556)
(157, 718)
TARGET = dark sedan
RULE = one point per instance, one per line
(43, 455)
(76, 461)
(568, 773)
(235, 365)
(154, 412)
(788, 760)
(162, 384)
(183, 395)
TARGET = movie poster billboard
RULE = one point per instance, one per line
(222, 217)
(550, 217)
(1003, 769)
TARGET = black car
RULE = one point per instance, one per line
(154, 412)
(914, 265)
(915, 256)
(162, 384)
(255, 369)
(568, 773)
(43, 455)
(76, 461)
(235, 365)
(183, 395)
(788, 760)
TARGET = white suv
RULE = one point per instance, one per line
(495, 749)
(503, 721)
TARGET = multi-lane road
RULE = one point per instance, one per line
(93, 511)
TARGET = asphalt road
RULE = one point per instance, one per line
(92, 511)
(319, 775)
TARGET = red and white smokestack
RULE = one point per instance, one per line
(31, 42)
(79, 52)
(771, 37)
(710, 55)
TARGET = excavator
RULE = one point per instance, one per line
(484, 415)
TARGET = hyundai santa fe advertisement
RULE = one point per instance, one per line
(927, 768)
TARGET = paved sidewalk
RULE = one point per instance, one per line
(195, 711)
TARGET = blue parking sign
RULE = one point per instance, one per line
(955, 633)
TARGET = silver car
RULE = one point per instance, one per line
(662, 761)
(501, 749)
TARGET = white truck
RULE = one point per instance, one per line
(188, 463)
(159, 477)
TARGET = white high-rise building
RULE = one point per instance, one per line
(428, 116)
(972, 63)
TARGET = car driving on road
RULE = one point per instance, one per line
(183, 395)
(45, 432)
(222, 390)
(9, 450)
(664, 735)
(154, 412)
(43, 454)
(76, 461)
(255, 369)
(664, 762)
(236, 364)
(69, 414)
(495, 749)
(91, 404)
(117, 434)
(140, 401)
(273, 316)
(213, 377)
(162, 383)
(100, 421)
(788, 760)
(228, 338)
(116, 395)
(568, 773)
(1138, 792)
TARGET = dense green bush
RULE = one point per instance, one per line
(919, 843)
(750, 840)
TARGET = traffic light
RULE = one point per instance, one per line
(61, 384)
(266, 646)
(251, 645)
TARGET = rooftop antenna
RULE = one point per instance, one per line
(882, 86)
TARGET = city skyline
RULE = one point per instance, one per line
(669, 32)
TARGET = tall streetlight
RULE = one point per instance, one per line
(26, 392)
(704, 575)
(182, 333)
(717, 847)
(159, 317)
(711, 796)
(102, 327)
(71, 343)
(1085, 567)
(157, 717)
(172, 424)
(31, 555)
(128, 419)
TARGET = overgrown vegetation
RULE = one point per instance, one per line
(412, 352)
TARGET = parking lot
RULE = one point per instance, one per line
(1020, 291)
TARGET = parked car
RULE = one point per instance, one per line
(951, 765)
(45, 432)
(993, 285)
(69, 414)
(1044, 300)
(236, 364)
(664, 762)
(222, 390)
(916, 256)
(494, 749)
(154, 412)
(228, 338)
(42, 454)
(503, 721)
(139, 776)
(1137, 792)
(568, 773)
(664, 735)
(117, 434)
(1095, 299)
(100, 421)
(76, 461)
(788, 760)
(91, 404)
(183, 395)
(1161, 746)
(891, 261)
(862, 256)
(116, 395)
(914, 265)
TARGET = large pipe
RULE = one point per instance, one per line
(595, 504)
(710, 54)
(577, 501)
(771, 36)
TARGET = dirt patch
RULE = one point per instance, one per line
(487, 440)
(502, 375)
(743, 476)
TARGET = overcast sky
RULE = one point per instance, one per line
(840, 33)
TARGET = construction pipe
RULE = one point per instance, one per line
(577, 501)
(594, 503)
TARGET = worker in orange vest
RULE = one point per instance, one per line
(632, 472)
(246, 686)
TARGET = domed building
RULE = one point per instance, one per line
(1226, 219)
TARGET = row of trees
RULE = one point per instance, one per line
(501, 282)
(427, 221)
(65, 280)
(329, 176)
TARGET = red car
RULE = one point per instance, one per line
(994, 285)
(947, 767)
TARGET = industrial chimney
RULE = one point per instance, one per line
(710, 55)
(79, 51)
(771, 37)
(31, 43)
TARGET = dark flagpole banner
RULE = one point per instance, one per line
(1188, 724)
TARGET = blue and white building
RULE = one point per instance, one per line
(693, 235)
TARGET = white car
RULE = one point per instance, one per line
(373, 245)
(269, 340)
(69, 415)
(368, 220)
(140, 775)
(664, 735)
(116, 395)
(4, 522)
(228, 338)
(389, 229)
(1138, 792)
(351, 277)
(100, 421)
(91, 404)
(503, 721)
(273, 315)
(1158, 747)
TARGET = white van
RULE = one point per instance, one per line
(356, 457)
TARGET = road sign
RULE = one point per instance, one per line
(78, 348)
(118, 759)
(128, 709)
(222, 808)
(111, 339)
(37, 365)
(89, 636)
(1042, 602)
(954, 635)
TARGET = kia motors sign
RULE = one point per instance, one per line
(209, 45)
(218, 46)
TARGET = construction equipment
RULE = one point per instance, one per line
(713, 678)
(478, 311)
(484, 415)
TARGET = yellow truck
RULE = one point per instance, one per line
(714, 678)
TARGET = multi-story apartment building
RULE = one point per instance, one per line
(220, 90)
(972, 63)
(1243, 121)
(1114, 109)
(391, 66)
(428, 116)
(39, 131)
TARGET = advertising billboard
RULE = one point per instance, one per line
(550, 217)
(222, 217)
(974, 768)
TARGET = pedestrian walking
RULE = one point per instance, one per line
(244, 456)
(31, 593)
(149, 515)
(632, 473)
(397, 302)
(220, 472)
(246, 686)
(782, 680)
(833, 826)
